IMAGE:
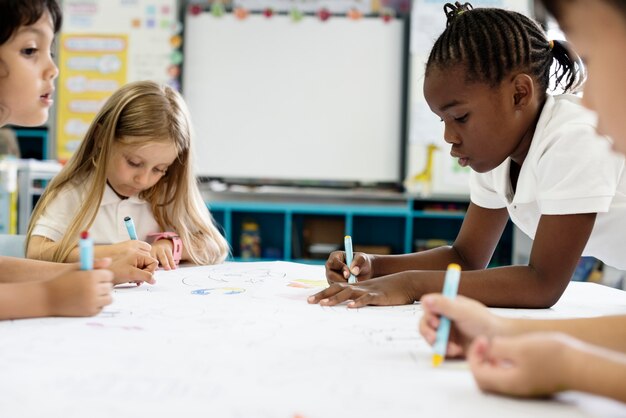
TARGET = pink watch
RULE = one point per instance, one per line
(177, 251)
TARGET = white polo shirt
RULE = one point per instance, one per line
(569, 169)
(108, 227)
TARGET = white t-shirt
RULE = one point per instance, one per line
(108, 227)
(569, 169)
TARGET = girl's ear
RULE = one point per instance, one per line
(523, 90)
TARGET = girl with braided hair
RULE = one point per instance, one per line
(536, 159)
(522, 357)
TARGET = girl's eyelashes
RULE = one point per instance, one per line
(462, 119)
(29, 51)
(137, 165)
(133, 164)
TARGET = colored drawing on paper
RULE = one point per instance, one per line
(219, 291)
(307, 283)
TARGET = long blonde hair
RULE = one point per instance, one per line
(138, 113)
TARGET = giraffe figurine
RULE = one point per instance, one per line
(425, 177)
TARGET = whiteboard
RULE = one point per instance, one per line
(278, 100)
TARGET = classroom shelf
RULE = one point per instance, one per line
(307, 228)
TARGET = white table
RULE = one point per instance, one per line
(239, 340)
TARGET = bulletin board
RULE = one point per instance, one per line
(103, 45)
(312, 101)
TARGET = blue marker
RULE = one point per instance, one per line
(130, 226)
(85, 246)
(347, 242)
(450, 287)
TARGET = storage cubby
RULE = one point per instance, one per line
(379, 234)
(305, 228)
(271, 231)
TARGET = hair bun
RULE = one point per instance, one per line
(452, 11)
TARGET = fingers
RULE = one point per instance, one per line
(366, 299)
(103, 276)
(438, 304)
(166, 259)
(163, 261)
(357, 263)
(338, 293)
(501, 353)
(428, 327)
(104, 289)
(149, 264)
(102, 263)
(105, 300)
(492, 371)
(330, 291)
(335, 268)
(139, 276)
(142, 245)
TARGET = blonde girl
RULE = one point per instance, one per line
(135, 160)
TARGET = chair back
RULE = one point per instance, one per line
(12, 245)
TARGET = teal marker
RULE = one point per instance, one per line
(85, 247)
(450, 288)
(347, 242)
(130, 226)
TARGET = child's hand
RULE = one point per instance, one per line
(134, 267)
(79, 293)
(130, 246)
(394, 289)
(469, 320)
(338, 272)
(527, 365)
(163, 250)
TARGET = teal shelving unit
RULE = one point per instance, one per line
(395, 224)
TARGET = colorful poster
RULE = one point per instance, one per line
(334, 6)
(92, 68)
(105, 44)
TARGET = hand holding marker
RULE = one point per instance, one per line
(347, 241)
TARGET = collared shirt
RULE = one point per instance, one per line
(108, 227)
(569, 169)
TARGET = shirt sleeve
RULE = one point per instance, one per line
(483, 192)
(578, 173)
(57, 215)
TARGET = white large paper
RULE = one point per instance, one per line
(239, 340)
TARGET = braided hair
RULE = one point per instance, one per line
(491, 43)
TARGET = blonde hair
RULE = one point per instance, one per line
(136, 114)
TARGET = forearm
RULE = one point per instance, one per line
(24, 270)
(596, 370)
(506, 287)
(23, 300)
(434, 259)
(605, 331)
(99, 251)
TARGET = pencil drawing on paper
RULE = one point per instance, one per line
(228, 275)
